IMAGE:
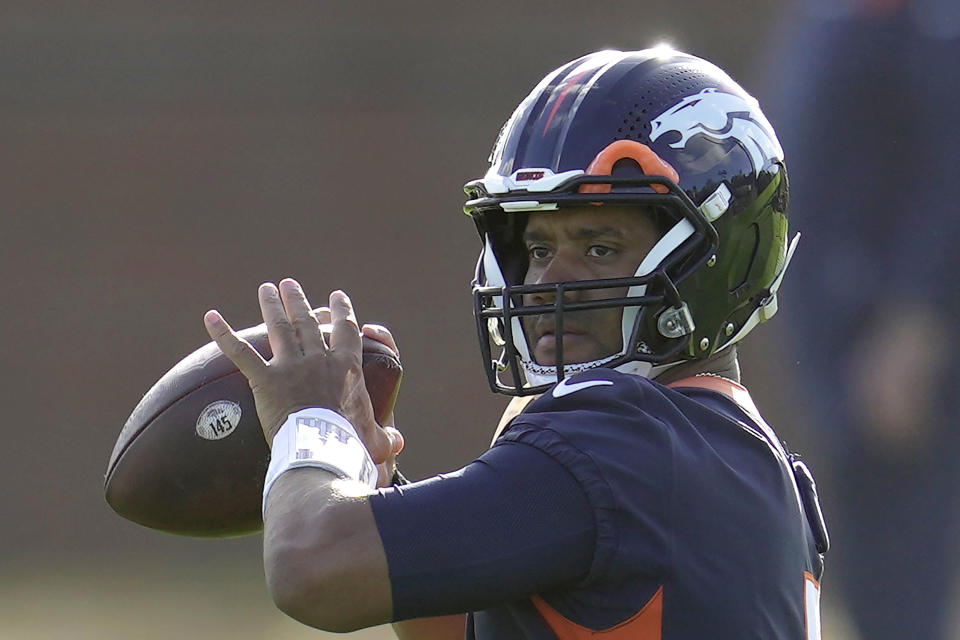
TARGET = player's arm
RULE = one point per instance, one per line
(323, 560)
(510, 524)
(339, 556)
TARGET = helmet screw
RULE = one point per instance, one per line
(712, 261)
(704, 344)
(728, 329)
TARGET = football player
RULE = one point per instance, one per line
(634, 229)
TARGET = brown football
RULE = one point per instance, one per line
(191, 458)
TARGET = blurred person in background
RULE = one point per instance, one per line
(865, 99)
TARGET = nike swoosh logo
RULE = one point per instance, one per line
(565, 387)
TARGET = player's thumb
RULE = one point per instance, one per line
(395, 438)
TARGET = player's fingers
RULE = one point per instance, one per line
(346, 332)
(248, 361)
(323, 317)
(322, 314)
(283, 339)
(382, 335)
(301, 317)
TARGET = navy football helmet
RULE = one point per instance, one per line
(655, 128)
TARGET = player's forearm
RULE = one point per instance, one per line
(323, 560)
(440, 628)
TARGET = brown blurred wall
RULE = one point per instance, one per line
(159, 159)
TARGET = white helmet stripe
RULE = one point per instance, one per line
(494, 278)
(664, 247)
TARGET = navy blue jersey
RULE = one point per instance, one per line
(613, 507)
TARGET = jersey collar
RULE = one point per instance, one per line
(733, 390)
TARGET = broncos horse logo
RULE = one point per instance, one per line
(719, 116)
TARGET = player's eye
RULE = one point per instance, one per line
(538, 252)
(600, 251)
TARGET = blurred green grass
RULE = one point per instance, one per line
(148, 600)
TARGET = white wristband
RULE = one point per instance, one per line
(319, 438)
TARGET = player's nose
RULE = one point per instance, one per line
(562, 268)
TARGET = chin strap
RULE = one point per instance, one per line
(538, 374)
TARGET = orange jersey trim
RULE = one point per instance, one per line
(733, 390)
(646, 624)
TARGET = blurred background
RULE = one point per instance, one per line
(160, 159)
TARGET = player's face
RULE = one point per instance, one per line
(583, 243)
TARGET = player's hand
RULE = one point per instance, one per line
(382, 335)
(305, 370)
